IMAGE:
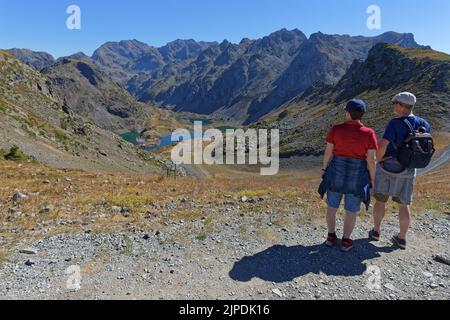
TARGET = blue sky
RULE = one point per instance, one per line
(41, 25)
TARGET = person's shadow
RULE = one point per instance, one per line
(283, 264)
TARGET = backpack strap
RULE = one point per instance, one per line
(411, 128)
(410, 125)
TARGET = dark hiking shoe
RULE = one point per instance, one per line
(332, 240)
(374, 235)
(346, 245)
(401, 243)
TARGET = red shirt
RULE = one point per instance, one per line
(352, 140)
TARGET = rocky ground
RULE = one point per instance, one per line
(235, 261)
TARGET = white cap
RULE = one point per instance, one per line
(406, 98)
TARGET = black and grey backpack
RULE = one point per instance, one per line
(418, 148)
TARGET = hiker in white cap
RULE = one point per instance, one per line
(392, 178)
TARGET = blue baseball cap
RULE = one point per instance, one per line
(356, 105)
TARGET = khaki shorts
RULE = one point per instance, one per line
(385, 198)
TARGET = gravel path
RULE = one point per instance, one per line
(232, 265)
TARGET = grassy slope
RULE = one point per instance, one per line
(424, 54)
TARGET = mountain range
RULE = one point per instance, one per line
(237, 83)
(283, 80)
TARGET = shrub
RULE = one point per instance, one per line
(64, 123)
(61, 136)
(130, 201)
(3, 106)
(283, 115)
(15, 154)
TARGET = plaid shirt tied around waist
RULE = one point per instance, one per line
(347, 176)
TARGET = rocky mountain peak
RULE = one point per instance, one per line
(389, 66)
(225, 44)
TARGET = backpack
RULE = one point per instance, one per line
(417, 149)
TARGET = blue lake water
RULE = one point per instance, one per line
(164, 141)
(167, 141)
(130, 137)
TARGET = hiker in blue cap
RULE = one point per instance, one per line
(349, 171)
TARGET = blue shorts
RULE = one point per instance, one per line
(352, 203)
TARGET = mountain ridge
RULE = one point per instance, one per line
(38, 60)
(388, 70)
(236, 83)
(222, 79)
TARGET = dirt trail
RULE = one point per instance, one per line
(195, 171)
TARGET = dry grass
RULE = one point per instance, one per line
(4, 255)
(82, 201)
(432, 192)
(441, 141)
(267, 234)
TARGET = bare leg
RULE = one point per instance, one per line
(349, 224)
(379, 211)
(331, 219)
(405, 220)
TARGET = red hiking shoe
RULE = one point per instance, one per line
(332, 240)
(346, 245)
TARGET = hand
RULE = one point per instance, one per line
(324, 172)
(372, 184)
